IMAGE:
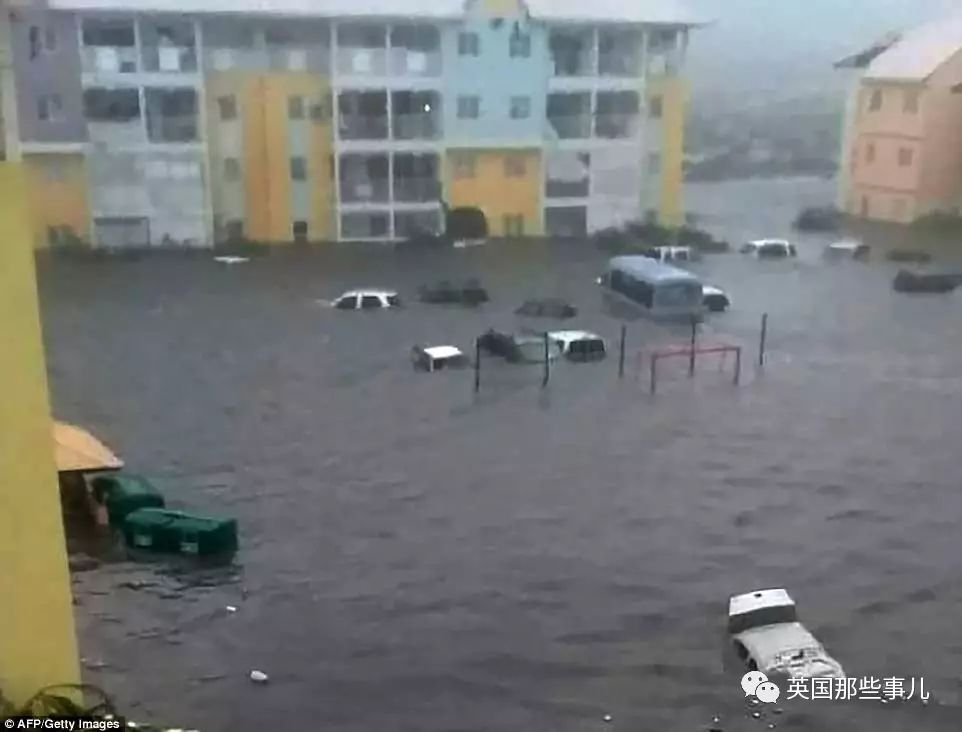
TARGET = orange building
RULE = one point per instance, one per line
(902, 156)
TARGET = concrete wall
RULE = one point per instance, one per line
(40, 71)
(38, 646)
(496, 193)
(495, 77)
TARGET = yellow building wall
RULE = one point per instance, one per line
(262, 107)
(37, 641)
(57, 191)
(502, 8)
(674, 96)
(496, 193)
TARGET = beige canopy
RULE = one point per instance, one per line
(77, 449)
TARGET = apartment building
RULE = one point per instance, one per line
(902, 143)
(192, 122)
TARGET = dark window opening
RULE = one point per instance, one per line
(469, 44)
(227, 106)
(299, 230)
(295, 107)
(111, 105)
(370, 302)
(298, 168)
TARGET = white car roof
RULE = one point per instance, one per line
(440, 352)
(845, 245)
(573, 335)
(764, 242)
(673, 250)
(376, 293)
(712, 290)
(751, 601)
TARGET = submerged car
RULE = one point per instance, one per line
(518, 349)
(469, 292)
(767, 637)
(367, 300)
(847, 249)
(672, 254)
(547, 308)
(579, 345)
(435, 358)
(769, 249)
(715, 299)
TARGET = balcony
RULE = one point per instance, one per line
(415, 51)
(364, 178)
(362, 115)
(570, 126)
(108, 46)
(567, 175)
(416, 177)
(171, 115)
(365, 225)
(619, 54)
(617, 125)
(416, 115)
(298, 46)
(417, 190)
(416, 223)
(168, 46)
(114, 116)
(362, 50)
(572, 53)
(666, 53)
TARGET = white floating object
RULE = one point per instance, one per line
(607, 717)
(231, 260)
(231, 609)
(259, 677)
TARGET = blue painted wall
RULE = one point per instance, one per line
(495, 77)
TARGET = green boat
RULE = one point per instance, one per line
(174, 532)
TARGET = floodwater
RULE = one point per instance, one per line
(415, 557)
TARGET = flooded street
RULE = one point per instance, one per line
(415, 557)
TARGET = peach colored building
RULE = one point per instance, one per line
(902, 155)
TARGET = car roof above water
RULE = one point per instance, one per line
(751, 601)
(650, 270)
(374, 291)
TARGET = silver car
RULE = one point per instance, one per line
(767, 637)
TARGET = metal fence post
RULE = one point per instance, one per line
(738, 365)
(761, 340)
(547, 368)
(621, 352)
(691, 356)
(477, 365)
(654, 361)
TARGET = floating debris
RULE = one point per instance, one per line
(230, 609)
(607, 718)
(756, 715)
(231, 260)
(259, 677)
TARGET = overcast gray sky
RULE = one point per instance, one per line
(776, 46)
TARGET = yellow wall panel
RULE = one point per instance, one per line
(37, 645)
(57, 191)
(674, 95)
(495, 192)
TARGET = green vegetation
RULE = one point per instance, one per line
(640, 236)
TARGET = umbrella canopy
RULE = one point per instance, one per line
(77, 449)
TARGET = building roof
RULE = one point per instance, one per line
(669, 12)
(918, 53)
(77, 449)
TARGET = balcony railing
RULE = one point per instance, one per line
(616, 125)
(619, 64)
(406, 62)
(416, 127)
(362, 61)
(355, 127)
(299, 58)
(573, 64)
(117, 133)
(109, 59)
(373, 190)
(571, 127)
(182, 128)
(170, 59)
(417, 190)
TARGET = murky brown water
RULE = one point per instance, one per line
(417, 558)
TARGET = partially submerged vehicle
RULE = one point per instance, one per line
(819, 219)
(579, 345)
(909, 255)
(547, 308)
(518, 348)
(660, 290)
(671, 254)
(367, 300)
(768, 637)
(435, 358)
(847, 249)
(906, 281)
(714, 299)
(445, 292)
(769, 249)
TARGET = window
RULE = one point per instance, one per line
(370, 302)
(464, 165)
(295, 107)
(319, 112)
(34, 37)
(875, 101)
(905, 157)
(299, 231)
(520, 107)
(348, 302)
(514, 166)
(235, 230)
(171, 114)
(655, 107)
(513, 225)
(108, 32)
(111, 105)
(469, 44)
(298, 169)
(469, 107)
(49, 107)
(231, 169)
(910, 102)
(520, 45)
(49, 40)
(227, 107)
(870, 153)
